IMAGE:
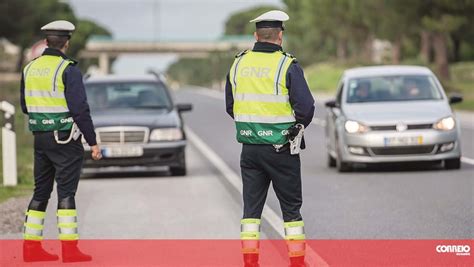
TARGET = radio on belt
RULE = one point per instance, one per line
(295, 135)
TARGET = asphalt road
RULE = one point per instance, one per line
(153, 205)
(395, 202)
(403, 202)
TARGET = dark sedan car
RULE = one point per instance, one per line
(138, 127)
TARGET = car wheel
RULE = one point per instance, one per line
(342, 166)
(452, 164)
(331, 161)
(178, 171)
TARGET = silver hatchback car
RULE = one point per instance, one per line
(391, 114)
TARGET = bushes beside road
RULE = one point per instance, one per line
(323, 78)
(463, 82)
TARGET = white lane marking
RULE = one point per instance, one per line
(312, 258)
(467, 160)
(319, 122)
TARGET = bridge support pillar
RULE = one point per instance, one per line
(104, 63)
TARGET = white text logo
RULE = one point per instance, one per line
(255, 72)
(460, 250)
(246, 132)
(48, 121)
(67, 120)
(265, 133)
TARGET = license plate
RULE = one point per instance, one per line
(403, 140)
(122, 151)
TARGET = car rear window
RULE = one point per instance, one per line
(392, 88)
(128, 95)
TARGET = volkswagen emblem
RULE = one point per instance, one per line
(401, 127)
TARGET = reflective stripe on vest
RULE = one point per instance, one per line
(262, 110)
(44, 94)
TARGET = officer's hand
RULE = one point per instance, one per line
(293, 131)
(95, 152)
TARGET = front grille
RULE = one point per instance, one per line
(109, 137)
(121, 135)
(383, 128)
(401, 150)
(134, 137)
(420, 126)
(394, 127)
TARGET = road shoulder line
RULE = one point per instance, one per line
(268, 213)
(467, 160)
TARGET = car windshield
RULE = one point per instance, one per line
(392, 88)
(129, 95)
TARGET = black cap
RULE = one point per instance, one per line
(57, 33)
(269, 24)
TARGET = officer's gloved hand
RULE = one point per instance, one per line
(293, 131)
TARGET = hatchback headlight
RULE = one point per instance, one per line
(445, 124)
(166, 134)
(355, 127)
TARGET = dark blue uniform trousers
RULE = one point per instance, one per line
(262, 165)
(60, 162)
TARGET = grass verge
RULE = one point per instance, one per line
(7, 192)
(10, 92)
(323, 77)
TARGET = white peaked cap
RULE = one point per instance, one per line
(274, 15)
(59, 25)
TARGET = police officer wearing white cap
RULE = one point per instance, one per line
(53, 96)
(267, 95)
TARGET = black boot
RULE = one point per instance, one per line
(33, 251)
(71, 252)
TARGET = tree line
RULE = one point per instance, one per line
(21, 20)
(420, 31)
(439, 31)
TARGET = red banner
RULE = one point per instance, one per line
(271, 253)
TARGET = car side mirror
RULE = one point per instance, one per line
(184, 107)
(453, 99)
(331, 104)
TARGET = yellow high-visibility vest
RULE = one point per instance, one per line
(262, 110)
(44, 94)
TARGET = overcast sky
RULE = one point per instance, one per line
(160, 19)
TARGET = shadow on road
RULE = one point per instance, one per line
(119, 175)
(404, 167)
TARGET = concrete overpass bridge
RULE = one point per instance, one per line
(105, 48)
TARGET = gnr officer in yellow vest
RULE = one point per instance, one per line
(270, 102)
(53, 96)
